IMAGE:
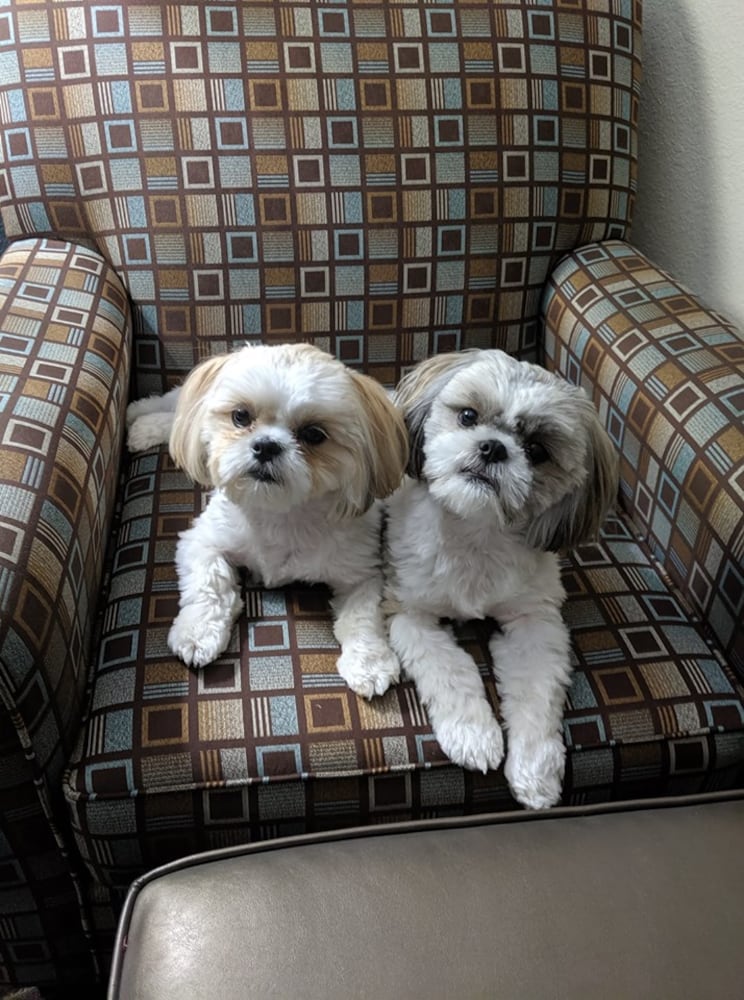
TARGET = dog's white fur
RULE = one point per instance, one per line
(299, 449)
(471, 533)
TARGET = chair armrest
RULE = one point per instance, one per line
(64, 373)
(667, 376)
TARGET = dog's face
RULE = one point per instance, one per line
(497, 437)
(276, 426)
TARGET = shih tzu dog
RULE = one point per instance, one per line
(508, 463)
(299, 449)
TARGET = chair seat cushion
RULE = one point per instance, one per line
(269, 741)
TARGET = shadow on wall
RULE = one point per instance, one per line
(676, 214)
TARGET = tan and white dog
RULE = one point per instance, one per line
(508, 463)
(299, 450)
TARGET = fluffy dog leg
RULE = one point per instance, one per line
(149, 431)
(152, 404)
(367, 663)
(532, 666)
(210, 601)
(450, 686)
(149, 421)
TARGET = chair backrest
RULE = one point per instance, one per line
(386, 180)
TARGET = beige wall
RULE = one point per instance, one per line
(690, 210)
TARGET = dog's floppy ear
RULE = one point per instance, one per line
(577, 518)
(187, 445)
(385, 442)
(417, 391)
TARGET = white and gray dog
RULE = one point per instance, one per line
(508, 463)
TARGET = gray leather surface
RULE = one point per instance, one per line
(643, 904)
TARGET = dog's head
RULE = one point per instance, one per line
(280, 425)
(492, 435)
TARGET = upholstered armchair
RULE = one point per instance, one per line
(385, 181)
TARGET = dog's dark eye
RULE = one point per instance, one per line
(312, 434)
(242, 418)
(467, 417)
(536, 452)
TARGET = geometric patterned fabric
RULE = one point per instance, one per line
(386, 180)
(64, 365)
(64, 372)
(668, 379)
(41, 935)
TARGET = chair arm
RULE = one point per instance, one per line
(64, 371)
(667, 376)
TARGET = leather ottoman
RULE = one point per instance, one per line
(615, 902)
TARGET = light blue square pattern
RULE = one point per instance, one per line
(283, 713)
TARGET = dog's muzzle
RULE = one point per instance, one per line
(265, 450)
(492, 451)
(484, 468)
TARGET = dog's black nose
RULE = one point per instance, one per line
(493, 451)
(265, 449)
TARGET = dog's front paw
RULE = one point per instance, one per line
(198, 637)
(534, 770)
(136, 408)
(472, 739)
(148, 431)
(368, 667)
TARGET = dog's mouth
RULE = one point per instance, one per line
(264, 474)
(480, 478)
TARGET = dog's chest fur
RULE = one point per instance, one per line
(457, 568)
(302, 544)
